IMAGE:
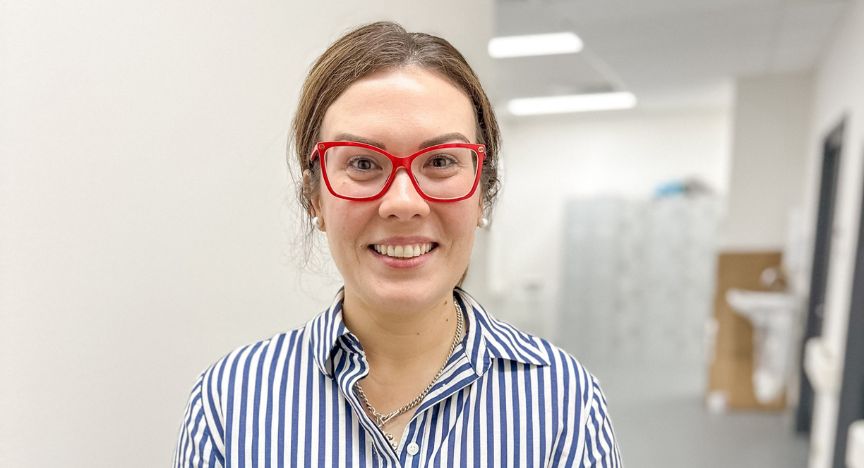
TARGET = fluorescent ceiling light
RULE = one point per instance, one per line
(535, 44)
(571, 103)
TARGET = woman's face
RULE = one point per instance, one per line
(401, 111)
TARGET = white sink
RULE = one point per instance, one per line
(773, 315)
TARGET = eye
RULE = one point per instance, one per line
(362, 163)
(441, 161)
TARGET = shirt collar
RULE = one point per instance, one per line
(487, 337)
(324, 332)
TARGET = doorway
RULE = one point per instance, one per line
(832, 147)
(852, 388)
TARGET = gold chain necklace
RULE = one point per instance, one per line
(382, 419)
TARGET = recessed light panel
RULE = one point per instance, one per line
(535, 44)
(571, 103)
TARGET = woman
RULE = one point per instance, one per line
(399, 147)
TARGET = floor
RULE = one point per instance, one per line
(660, 421)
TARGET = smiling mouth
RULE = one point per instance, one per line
(403, 251)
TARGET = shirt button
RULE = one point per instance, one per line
(413, 448)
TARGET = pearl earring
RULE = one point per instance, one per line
(316, 221)
(483, 222)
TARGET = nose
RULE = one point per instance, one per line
(402, 201)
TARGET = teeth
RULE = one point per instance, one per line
(403, 251)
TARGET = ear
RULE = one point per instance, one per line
(314, 199)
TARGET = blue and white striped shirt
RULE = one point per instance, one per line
(505, 399)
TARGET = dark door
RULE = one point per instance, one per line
(852, 389)
(831, 150)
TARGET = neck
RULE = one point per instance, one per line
(401, 339)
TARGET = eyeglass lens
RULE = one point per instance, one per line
(356, 172)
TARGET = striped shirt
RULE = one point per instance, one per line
(505, 399)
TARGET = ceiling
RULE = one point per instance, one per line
(670, 53)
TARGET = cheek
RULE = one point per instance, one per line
(345, 221)
(463, 221)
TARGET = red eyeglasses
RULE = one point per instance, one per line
(360, 172)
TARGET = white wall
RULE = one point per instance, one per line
(548, 159)
(769, 149)
(838, 92)
(146, 216)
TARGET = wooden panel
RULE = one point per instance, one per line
(731, 371)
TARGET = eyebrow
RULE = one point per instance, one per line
(444, 139)
(430, 142)
(358, 139)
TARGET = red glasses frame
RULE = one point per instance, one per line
(399, 162)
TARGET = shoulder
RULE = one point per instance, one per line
(224, 385)
(573, 404)
(584, 426)
(570, 376)
(563, 372)
(566, 379)
(252, 365)
(573, 389)
(565, 363)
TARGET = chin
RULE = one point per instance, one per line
(409, 295)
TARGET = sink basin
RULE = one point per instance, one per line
(762, 307)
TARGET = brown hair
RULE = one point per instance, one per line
(369, 49)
